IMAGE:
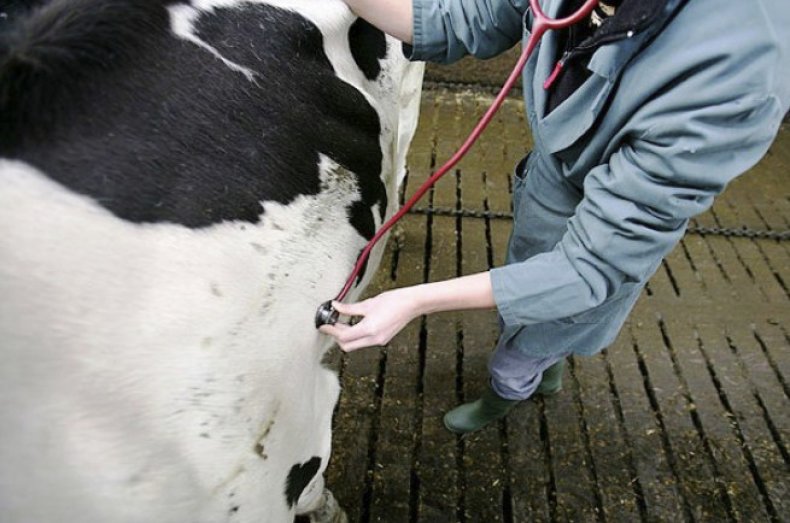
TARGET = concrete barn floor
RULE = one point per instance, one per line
(684, 418)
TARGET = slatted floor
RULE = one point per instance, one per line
(685, 418)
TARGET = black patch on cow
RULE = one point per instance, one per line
(10, 10)
(100, 96)
(298, 479)
(49, 51)
(368, 46)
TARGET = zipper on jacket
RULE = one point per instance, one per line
(580, 50)
(593, 42)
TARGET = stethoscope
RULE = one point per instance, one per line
(541, 23)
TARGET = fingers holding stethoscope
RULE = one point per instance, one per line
(374, 322)
(348, 335)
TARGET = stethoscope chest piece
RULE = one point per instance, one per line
(326, 314)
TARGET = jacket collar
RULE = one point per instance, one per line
(576, 115)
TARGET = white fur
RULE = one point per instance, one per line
(160, 373)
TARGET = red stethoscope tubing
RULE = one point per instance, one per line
(540, 24)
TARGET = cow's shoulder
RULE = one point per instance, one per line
(191, 115)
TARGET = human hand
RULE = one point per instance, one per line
(383, 316)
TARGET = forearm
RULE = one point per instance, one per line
(385, 315)
(394, 17)
(467, 292)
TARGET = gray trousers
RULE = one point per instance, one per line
(515, 375)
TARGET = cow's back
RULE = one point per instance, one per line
(173, 212)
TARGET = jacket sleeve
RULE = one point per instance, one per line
(447, 30)
(636, 207)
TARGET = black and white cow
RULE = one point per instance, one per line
(181, 185)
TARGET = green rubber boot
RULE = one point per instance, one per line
(551, 383)
(473, 416)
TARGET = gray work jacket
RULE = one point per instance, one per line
(675, 113)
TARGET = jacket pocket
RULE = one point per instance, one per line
(520, 172)
(519, 178)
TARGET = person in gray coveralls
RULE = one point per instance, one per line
(655, 107)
